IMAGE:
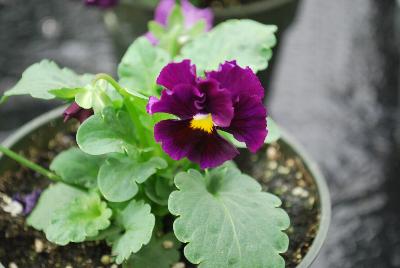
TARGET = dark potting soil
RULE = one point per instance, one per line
(279, 171)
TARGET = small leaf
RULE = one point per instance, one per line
(227, 220)
(158, 189)
(119, 175)
(138, 223)
(161, 252)
(53, 198)
(66, 94)
(176, 17)
(110, 132)
(156, 29)
(44, 76)
(83, 217)
(140, 67)
(77, 167)
(246, 41)
(274, 132)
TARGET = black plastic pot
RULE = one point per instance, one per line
(49, 124)
(129, 20)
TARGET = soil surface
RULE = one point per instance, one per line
(279, 171)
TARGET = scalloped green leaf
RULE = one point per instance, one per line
(274, 133)
(227, 220)
(56, 196)
(109, 132)
(161, 252)
(138, 224)
(141, 65)
(119, 176)
(77, 167)
(248, 42)
(40, 78)
(83, 217)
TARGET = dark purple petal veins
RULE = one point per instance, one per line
(249, 124)
(239, 81)
(177, 73)
(180, 101)
(218, 102)
(75, 111)
(179, 140)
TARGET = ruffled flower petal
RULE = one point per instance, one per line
(180, 101)
(249, 124)
(218, 102)
(239, 81)
(179, 140)
(75, 111)
(177, 73)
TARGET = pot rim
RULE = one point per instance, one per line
(241, 11)
(324, 196)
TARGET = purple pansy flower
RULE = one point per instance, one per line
(75, 111)
(101, 3)
(28, 201)
(230, 100)
(191, 14)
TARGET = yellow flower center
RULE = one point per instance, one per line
(202, 122)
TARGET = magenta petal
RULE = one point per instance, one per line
(249, 124)
(178, 140)
(180, 101)
(193, 15)
(218, 102)
(239, 81)
(163, 10)
(152, 39)
(177, 73)
(75, 111)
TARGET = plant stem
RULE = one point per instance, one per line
(128, 103)
(27, 163)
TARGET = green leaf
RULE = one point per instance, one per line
(161, 252)
(246, 41)
(77, 167)
(44, 76)
(158, 189)
(274, 132)
(53, 198)
(110, 132)
(176, 17)
(83, 217)
(66, 94)
(156, 29)
(119, 176)
(138, 223)
(141, 66)
(227, 220)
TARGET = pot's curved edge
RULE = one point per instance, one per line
(324, 199)
(25, 129)
(286, 138)
(256, 7)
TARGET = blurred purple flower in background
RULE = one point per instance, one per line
(191, 15)
(101, 3)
